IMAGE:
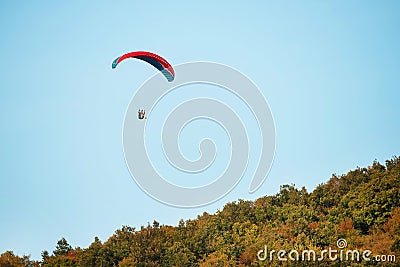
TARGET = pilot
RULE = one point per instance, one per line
(141, 114)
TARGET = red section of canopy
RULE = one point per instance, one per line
(150, 55)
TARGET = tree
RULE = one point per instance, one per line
(62, 247)
(45, 255)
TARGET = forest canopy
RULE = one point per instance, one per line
(362, 207)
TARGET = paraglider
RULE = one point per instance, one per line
(155, 60)
(141, 114)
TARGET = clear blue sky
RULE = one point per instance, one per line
(329, 69)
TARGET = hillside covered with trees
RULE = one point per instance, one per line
(362, 207)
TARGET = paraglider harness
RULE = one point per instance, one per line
(141, 114)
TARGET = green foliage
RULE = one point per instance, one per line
(62, 247)
(362, 206)
(8, 259)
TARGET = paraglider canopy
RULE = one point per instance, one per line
(155, 60)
